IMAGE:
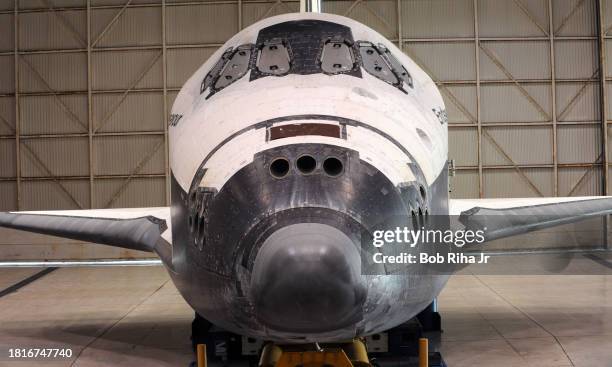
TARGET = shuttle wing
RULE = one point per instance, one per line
(144, 229)
(500, 218)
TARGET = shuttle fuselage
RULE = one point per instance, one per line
(299, 133)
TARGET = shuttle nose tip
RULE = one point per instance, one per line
(307, 278)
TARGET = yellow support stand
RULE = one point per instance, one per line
(201, 354)
(352, 354)
(423, 352)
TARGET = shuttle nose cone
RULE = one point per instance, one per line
(306, 278)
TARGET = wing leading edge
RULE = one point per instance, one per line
(500, 218)
(146, 229)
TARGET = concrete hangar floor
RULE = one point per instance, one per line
(133, 316)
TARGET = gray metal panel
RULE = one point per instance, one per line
(43, 4)
(7, 74)
(48, 114)
(122, 155)
(121, 69)
(500, 18)
(51, 30)
(182, 63)
(504, 183)
(583, 19)
(137, 112)
(460, 102)
(525, 145)
(209, 23)
(54, 157)
(45, 195)
(514, 57)
(8, 193)
(507, 103)
(580, 181)
(382, 17)
(578, 102)
(63, 71)
(463, 145)
(139, 192)
(135, 27)
(576, 59)
(464, 184)
(7, 32)
(442, 18)
(579, 143)
(254, 11)
(444, 61)
(7, 116)
(7, 163)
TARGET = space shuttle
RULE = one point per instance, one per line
(298, 134)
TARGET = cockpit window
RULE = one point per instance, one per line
(374, 63)
(336, 57)
(399, 70)
(235, 67)
(274, 58)
(305, 47)
(213, 74)
(378, 61)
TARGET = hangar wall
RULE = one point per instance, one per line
(86, 85)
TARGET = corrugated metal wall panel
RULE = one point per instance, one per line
(579, 181)
(121, 155)
(581, 23)
(60, 157)
(7, 74)
(137, 112)
(509, 183)
(434, 57)
(139, 192)
(47, 114)
(507, 103)
(63, 71)
(254, 11)
(214, 23)
(122, 2)
(182, 63)
(45, 195)
(43, 4)
(7, 31)
(121, 69)
(8, 195)
(136, 27)
(512, 58)
(578, 102)
(417, 18)
(7, 116)
(380, 14)
(51, 30)
(464, 146)
(460, 102)
(464, 184)
(500, 18)
(526, 145)
(576, 59)
(579, 144)
(7, 162)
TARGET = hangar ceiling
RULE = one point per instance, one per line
(85, 86)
